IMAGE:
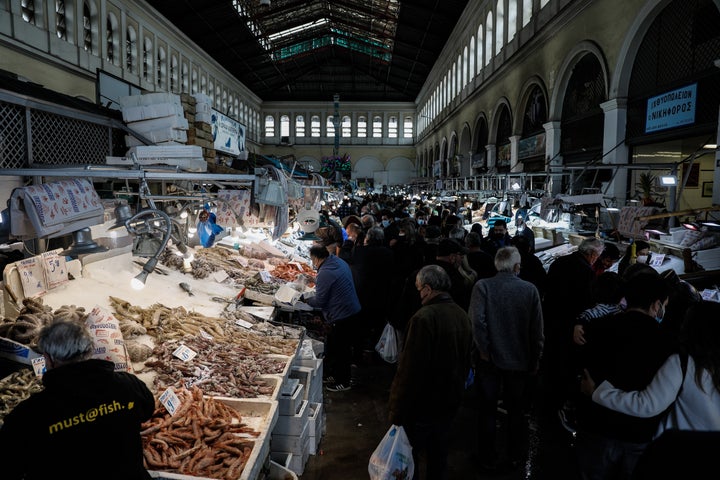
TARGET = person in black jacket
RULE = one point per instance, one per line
(626, 349)
(86, 422)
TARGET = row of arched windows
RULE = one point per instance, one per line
(145, 57)
(391, 128)
(484, 44)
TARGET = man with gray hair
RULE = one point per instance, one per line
(85, 411)
(569, 290)
(430, 379)
(508, 339)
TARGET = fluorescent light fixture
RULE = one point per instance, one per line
(710, 146)
(668, 180)
(612, 209)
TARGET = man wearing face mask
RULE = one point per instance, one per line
(497, 238)
(508, 342)
(625, 349)
(391, 229)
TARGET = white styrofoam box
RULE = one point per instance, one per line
(279, 471)
(298, 462)
(305, 376)
(145, 112)
(187, 164)
(260, 415)
(281, 458)
(169, 151)
(167, 134)
(202, 98)
(131, 141)
(315, 363)
(295, 444)
(316, 420)
(17, 352)
(148, 99)
(290, 404)
(293, 424)
(202, 108)
(203, 117)
(177, 122)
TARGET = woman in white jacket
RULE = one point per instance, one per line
(694, 394)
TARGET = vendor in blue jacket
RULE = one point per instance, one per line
(336, 297)
(86, 422)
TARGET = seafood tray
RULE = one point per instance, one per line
(260, 415)
(288, 364)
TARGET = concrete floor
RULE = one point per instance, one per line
(356, 421)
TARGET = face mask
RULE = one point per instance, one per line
(642, 259)
(386, 223)
(660, 314)
(421, 221)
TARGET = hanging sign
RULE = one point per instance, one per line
(228, 134)
(671, 109)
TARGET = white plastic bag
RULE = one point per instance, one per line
(392, 459)
(387, 345)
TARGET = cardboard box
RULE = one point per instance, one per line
(293, 424)
(17, 352)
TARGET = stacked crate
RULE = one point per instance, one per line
(301, 419)
(198, 113)
(158, 117)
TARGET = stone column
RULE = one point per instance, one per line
(615, 151)
(515, 165)
(552, 156)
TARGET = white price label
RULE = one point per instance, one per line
(657, 259)
(220, 276)
(709, 294)
(38, 365)
(184, 353)
(170, 401)
(265, 276)
(206, 335)
(244, 324)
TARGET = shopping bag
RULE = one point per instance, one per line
(387, 345)
(392, 458)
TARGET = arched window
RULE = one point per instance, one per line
(465, 61)
(161, 67)
(453, 86)
(471, 68)
(174, 74)
(458, 79)
(512, 19)
(284, 126)
(408, 127)
(499, 25)
(111, 39)
(488, 37)
(130, 50)
(330, 126)
(87, 28)
(527, 12)
(362, 127)
(203, 84)
(60, 20)
(479, 49)
(392, 127)
(299, 126)
(377, 127)
(147, 59)
(543, 3)
(184, 78)
(346, 126)
(224, 104)
(315, 126)
(194, 82)
(28, 11)
(269, 126)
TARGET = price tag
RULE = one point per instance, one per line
(56, 272)
(184, 353)
(296, 265)
(206, 335)
(38, 365)
(709, 294)
(170, 401)
(32, 277)
(657, 259)
(220, 276)
(242, 261)
(244, 324)
(265, 276)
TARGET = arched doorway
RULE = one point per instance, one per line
(480, 141)
(531, 147)
(502, 139)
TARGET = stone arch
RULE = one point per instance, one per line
(465, 149)
(493, 125)
(310, 164)
(565, 72)
(525, 92)
(366, 166)
(400, 171)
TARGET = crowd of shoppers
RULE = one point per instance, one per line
(533, 332)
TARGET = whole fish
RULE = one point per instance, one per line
(187, 288)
